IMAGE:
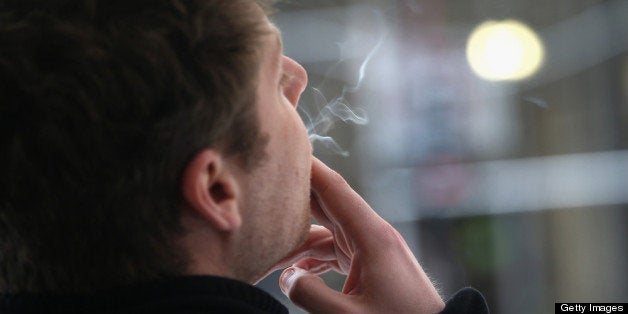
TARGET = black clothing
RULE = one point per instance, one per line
(185, 295)
(466, 301)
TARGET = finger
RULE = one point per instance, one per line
(319, 244)
(318, 213)
(311, 293)
(339, 202)
(318, 267)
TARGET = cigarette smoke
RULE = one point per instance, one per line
(318, 124)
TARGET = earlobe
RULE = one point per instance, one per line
(211, 190)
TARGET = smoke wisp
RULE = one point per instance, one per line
(321, 114)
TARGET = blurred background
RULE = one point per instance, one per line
(492, 134)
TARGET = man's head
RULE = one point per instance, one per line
(254, 217)
(110, 110)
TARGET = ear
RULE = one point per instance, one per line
(211, 189)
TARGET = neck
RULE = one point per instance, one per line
(207, 248)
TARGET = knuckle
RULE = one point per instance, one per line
(389, 236)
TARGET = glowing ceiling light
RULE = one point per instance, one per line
(504, 50)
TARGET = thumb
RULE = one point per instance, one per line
(310, 292)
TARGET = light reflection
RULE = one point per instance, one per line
(504, 50)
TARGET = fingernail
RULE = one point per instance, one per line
(286, 279)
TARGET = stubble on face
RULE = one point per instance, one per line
(278, 223)
(274, 235)
(276, 203)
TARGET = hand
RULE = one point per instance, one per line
(383, 276)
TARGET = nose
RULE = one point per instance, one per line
(295, 81)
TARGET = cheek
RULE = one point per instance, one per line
(292, 134)
(300, 131)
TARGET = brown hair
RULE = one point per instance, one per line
(103, 102)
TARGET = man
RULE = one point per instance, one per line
(154, 162)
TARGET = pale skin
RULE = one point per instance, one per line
(266, 213)
(383, 276)
(229, 210)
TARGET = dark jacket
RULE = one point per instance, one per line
(184, 295)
